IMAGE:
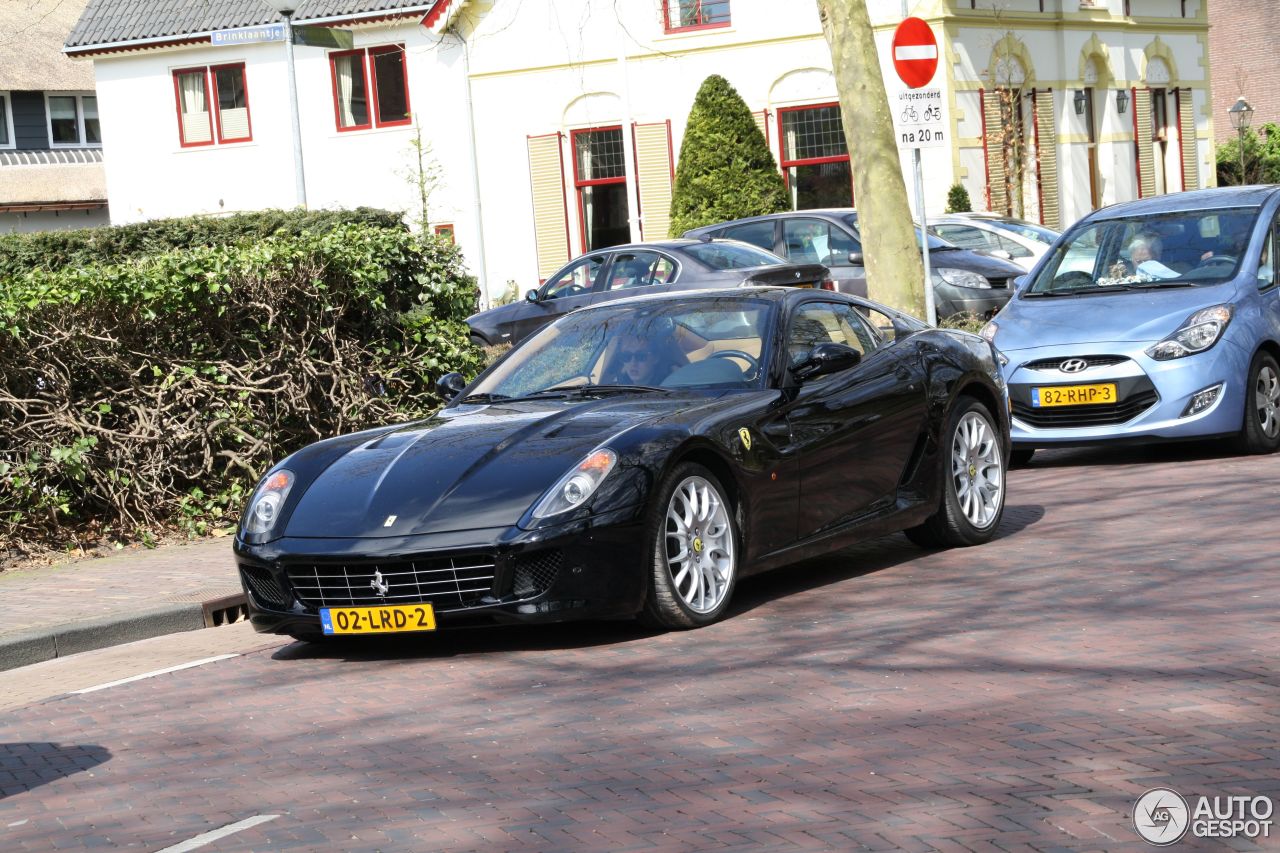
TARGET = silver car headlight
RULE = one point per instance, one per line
(577, 485)
(962, 278)
(1201, 331)
(268, 499)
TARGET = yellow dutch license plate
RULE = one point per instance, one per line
(1074, 395)
(387, 619)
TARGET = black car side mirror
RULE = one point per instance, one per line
(532, 295)
(901, 329)
(855, 258)
(826, 358)
(451, 385)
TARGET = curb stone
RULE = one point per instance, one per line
(37, 646)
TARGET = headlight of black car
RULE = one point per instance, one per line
(578, 484)
(264, 509)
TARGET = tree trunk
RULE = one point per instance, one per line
(895, 272)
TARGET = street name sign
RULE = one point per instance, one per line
(247, 35)
(329, 37)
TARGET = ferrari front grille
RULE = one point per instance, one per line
(534, 573)
(448, 583)
(264, 589)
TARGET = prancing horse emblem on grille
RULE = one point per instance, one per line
(1073, 365)
(380, 586)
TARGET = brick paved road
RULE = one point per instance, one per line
(1120, 635)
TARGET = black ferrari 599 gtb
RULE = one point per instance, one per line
(637, 459)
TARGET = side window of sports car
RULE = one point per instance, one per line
(826, 322)
(575, 279)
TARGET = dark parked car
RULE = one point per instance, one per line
(637, 268)
(963, 281)
(637, 459)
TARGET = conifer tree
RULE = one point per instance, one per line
(726, 170)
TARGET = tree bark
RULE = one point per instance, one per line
(895, 272)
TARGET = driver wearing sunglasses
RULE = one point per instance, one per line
(636, 362)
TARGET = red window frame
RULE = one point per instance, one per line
(579, 184)
(786, 164)
(217, 111)
(666, 20)
(211, 101)
(445, 230)
(367, 55)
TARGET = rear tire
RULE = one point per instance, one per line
(1261, 430)
(972, 468)
(478, 341)
(694, 547)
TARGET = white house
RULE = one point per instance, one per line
(556, 125)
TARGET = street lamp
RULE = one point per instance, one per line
(286, 8)
(1241, 115)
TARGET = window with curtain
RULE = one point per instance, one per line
(73, 120)
(370, 87)
(694, 14)
(213, 105)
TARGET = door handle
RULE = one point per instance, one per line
(777, 431)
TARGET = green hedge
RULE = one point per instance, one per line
(155, 391)
(54, 250)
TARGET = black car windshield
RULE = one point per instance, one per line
(935, 242)
(1174, 249)
(713, 342)
(732, 256)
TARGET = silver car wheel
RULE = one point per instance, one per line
(699, 545)
(1266, 396)
(976, 470)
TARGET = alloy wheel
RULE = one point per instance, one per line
(699, 545)
(1266, 397)
(976, 471)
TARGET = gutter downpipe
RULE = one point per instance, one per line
(478, 218)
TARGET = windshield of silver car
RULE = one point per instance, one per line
(1176, 249)
(711, 342)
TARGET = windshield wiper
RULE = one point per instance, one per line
(587, 390)
(483, 398)
(1155, 285)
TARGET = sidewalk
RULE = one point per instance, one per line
(89, 604)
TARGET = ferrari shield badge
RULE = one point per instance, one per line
(745, 435)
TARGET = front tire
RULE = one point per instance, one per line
(973, 488)
(1261, 430)
(694, 547)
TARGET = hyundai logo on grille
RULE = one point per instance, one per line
(1073, 365)
(380, 586)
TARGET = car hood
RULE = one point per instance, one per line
(1130, 316)
(963, 259)
(465, 468)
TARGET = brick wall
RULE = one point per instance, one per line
(1244, 59)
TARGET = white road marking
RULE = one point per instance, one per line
(167, 669)
(210, 837)
(916, 51)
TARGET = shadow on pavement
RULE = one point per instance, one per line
(1131, 454)
(24, 766)
(846, 564)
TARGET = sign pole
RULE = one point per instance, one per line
(931, 310)
(299, 179)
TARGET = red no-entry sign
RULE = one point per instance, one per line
(915, 52)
